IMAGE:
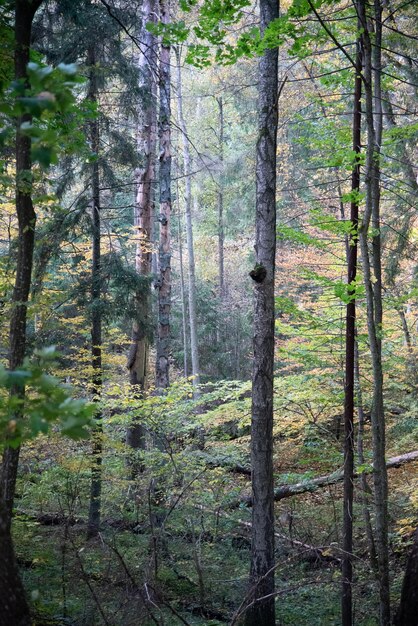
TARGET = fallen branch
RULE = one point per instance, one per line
(308, 486)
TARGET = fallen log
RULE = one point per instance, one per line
(308, 486)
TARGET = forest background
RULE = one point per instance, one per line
(127, 238)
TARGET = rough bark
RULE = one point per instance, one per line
(96, 315)
(189, 231)
(262, 551)
(164, 253)
(350, 326)
(13, 605)
(372, 272)
(143, 214)
(407, 614)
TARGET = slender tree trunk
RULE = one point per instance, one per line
(189, 231)
(143, 215)
(406, 218)
(164, 255)
(14, 609)
(262, 553)
(360, 453)
(373, 286)
(96, 314)
(347, 543)
(182, 295)
(221, 233)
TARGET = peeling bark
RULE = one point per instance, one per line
(164, 255)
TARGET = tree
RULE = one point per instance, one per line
(164, 218)
(408, 607)
(96, 312)
(13, 605)
(138, 359)
(189, 229)
(347, 568)
(372, 271)
(262, 611)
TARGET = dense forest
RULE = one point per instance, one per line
(209, 313)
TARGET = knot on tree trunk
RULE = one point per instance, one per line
(259, 273)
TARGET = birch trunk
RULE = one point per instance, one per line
(164, 253)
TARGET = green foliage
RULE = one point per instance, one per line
(50, 102)
(298, 236)
(45, 401)
(349, 292)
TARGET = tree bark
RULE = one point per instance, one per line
(350, 339)
(221, 232)
(360, 454)
(262, 551)
(183, 294)
(93, 525)
(143, 215)
(164, 255)
(372, 272)
(14, 609)
(189, 231)
(407, 614)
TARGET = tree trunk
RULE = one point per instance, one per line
(407, 614)
(14, 609)
(183, 294)
(143, 215)
(189, 231)
(373, 285)
(406, 219)
(262, 552)
(93, 525)
(221, 234)
(164, 254)
(347, 543)
(360, 453)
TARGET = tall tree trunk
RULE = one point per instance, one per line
(182, 293)
(262, 554)
(164, 254)
(347, 543)
(189, 230)
(373, 286)
(406, 219)
(361, 460)
(14, 609)
(96, 314)
(143, 214)
(221, 233)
